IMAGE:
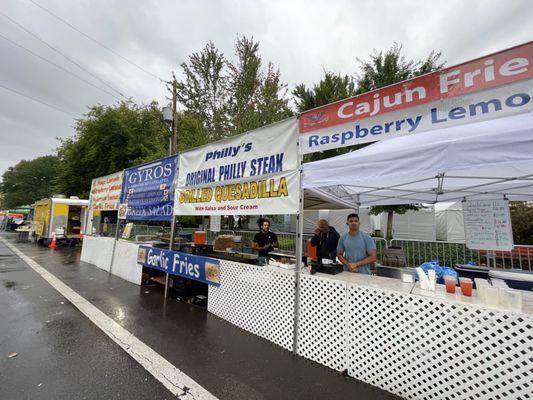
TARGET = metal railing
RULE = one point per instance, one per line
(287, 240)
(416, 251)
(449, 254)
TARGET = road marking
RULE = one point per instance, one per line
(180, 384)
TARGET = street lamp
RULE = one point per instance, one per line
(168, 119)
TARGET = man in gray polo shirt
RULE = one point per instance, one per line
(356, 249)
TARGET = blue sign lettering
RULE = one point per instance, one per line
(198, 268)
(148, 190)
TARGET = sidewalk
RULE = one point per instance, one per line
(227, 361)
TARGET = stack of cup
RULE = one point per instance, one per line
(492, 295)
(481, 284)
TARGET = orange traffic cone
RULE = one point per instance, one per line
(81, 235)
(53, 243)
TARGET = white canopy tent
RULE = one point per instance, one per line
(484, 160)
(450, 222)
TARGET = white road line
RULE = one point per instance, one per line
(171, 377)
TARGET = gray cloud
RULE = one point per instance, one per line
(301, 37)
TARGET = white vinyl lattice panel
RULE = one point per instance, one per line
(322, 321)
(257, 299)
(421, 348)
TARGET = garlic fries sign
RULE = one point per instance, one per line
(253, 173)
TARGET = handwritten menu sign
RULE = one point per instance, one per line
(488, 225)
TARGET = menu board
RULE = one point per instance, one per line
(215, 223)
(488, 225)
(148, 190)
(105, 192)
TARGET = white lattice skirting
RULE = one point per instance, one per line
(257, 299)
(415, 347)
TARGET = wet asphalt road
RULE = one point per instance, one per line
(62, 355)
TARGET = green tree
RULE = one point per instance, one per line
(231, 97)
(203, 91)
(383, 69)
(522, 222)
(191, 132)
(109, 139)
(331, 88)
(28, 181)
(257, 97)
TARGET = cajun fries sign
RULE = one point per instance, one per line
(253, 173)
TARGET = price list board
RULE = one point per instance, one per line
(488, 225)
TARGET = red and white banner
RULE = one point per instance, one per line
(489, 87)
(105, 192)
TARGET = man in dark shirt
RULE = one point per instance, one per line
(264, 242)
(325, 240)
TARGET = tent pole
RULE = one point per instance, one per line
(114, 244)
(299, 253)
(171, 245)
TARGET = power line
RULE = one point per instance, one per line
(60, 53)
(57, 66)
(38, 101)
(96, 41)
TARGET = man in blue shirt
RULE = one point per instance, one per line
(356, 249)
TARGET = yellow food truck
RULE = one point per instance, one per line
(64, 217)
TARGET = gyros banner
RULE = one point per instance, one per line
(148, 190)
(105, 192)
(493, 86)
(253, 173)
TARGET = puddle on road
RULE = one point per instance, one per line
(9, 284)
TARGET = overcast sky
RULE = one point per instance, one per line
(301, 37)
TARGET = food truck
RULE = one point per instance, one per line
(60, 216)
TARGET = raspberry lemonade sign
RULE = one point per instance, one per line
(490, 87)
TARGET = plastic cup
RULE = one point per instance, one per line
(466, 286)
(450, 283)
(491, 295)
(510, 298)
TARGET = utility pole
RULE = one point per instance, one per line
(174, 111)
(172, 87)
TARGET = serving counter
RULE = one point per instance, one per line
(413, 343)
(416, 344)
(98, 250)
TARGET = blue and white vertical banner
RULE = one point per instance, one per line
(249, 174)
(198, 268)
(148, 190)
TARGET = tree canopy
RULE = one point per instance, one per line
(230, 97)
(109, 139)
(522, 222)
(28, 181)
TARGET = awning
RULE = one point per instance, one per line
(317, 199)
(485, 160)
